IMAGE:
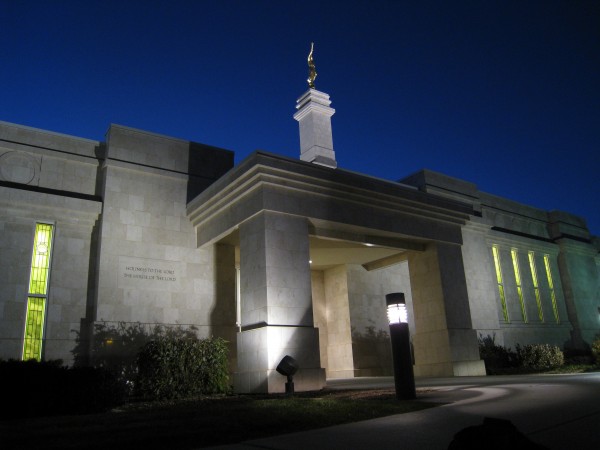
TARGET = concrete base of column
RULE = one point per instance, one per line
(451, 369)
(260, 350)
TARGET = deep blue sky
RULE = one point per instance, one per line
(505, 94)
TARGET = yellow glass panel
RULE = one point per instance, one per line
(533, 270)
(536, 287)
(40, 263)
(503, 302)
(551, 286)
(548, 271)
(515, 261)
(497, 264)
(34, 328)
(496, 254)
(38, 290)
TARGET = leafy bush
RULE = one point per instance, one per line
(115, 347)
(496, 357)
(49, 388)
(596, 349)
(540, 356)
(171, 367)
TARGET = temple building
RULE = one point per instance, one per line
(279, 256)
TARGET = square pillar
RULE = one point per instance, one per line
(276, 305)
(445, 344)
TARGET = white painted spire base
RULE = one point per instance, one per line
(314, 117)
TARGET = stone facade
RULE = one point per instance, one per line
(283, 256)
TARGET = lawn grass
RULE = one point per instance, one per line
(564, 369)
(575, 368)
(202, 422)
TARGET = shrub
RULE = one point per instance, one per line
(596, 349)
(115, 347)
(48, 388)
(172, 367)
(540, 356)
(496, 357)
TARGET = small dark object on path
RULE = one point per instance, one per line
(493, 434)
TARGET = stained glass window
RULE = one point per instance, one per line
(515, 260)
(551, 287)
(536, 286)
(499, 280)
(38, 292)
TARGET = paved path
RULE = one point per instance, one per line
(557, 411)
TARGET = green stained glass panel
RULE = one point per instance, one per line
(34, 327)
(40, 263)
(38, 291)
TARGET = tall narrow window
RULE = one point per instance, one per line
(536, 286)
(38, 292)
(496, 254)
(515, 260)
(551, 287)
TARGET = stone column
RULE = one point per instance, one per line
(314, 117)
(579, 276)
(445, 343)
(276, 305)
(581, 286)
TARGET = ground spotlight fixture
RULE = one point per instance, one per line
(287, 367)
(404, 378)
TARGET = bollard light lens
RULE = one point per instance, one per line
(397, 313)
(396, 308)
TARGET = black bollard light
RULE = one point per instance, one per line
(288, 367)
(404, 378)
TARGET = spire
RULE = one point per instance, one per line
(314, 118)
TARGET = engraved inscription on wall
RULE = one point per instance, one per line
(150, 274)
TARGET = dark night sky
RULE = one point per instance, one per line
(505, 94)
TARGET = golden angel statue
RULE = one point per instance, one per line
(312, 72)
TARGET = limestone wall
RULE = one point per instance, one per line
(48, 160)
(150, 270)
(528, 322)
(368, 316)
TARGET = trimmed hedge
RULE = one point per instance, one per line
(596, 349)
(499, 359)
(171, 367)
(155, 361)
(32, 388)
(115, 346)
(496, 357)
(540, 356)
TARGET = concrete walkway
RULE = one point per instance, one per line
(557, 411)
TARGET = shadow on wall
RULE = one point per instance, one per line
(206, 164)
(372, 353)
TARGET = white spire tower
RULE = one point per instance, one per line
(314, 118)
